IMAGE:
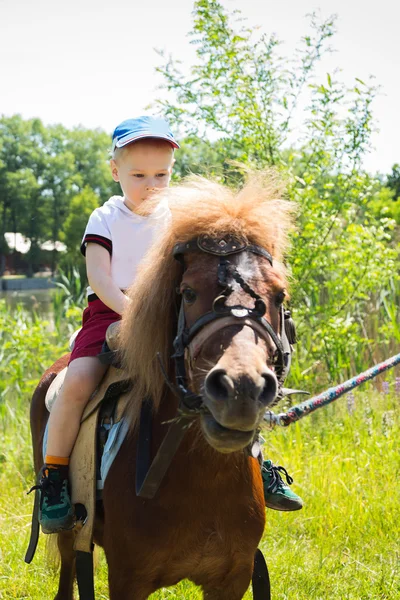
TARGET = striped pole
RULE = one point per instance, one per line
(308, 406)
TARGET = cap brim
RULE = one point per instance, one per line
(133, 138)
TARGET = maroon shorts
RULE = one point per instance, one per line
(95, 321)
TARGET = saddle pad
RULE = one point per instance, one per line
(114, 441)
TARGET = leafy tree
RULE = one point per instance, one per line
(22, 165)
(240, 88)
(41, 170)
(216, 159)
(59, 182)
(386, 200)
(247, 95)
(81, 207)
(385, 204)
(91, 151)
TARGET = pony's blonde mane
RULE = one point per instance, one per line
(256, 212)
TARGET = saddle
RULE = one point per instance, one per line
(104, 409)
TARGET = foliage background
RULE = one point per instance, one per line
(260, 109)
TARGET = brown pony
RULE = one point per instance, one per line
(207, 518)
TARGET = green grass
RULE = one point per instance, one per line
(344, 544)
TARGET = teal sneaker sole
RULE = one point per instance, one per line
(57, 527)
(292, 507)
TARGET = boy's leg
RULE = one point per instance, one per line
(82, 378)
(277, 493)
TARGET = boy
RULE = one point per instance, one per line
(142, 161)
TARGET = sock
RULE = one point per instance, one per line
(57, 462)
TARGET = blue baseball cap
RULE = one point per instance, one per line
(132, 130)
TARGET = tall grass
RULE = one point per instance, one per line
(345, 542)
(380, 339)
(28, 346)
(70, 297)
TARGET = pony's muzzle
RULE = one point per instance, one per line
(221, 387)
(235, 407)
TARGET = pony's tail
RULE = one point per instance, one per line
(53, 556)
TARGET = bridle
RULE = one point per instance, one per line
(188, 343)
(189, 340)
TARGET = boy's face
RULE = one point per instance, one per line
(142, 167)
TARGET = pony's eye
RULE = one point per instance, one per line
(189, 296)
(280, 297)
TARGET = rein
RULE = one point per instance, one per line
(297, 412)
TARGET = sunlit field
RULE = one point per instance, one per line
(344, 544)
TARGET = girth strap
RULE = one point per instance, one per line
(85, 575)
(143, 455)
(35, 528)
(149, 476)
(260, 580)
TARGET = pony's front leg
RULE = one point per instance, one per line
(232, 587)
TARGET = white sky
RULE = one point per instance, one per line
(93, 62)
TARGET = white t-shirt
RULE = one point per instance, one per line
(126, 235)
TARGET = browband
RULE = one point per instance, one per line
(223, 246)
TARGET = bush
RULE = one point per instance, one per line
(343, 257)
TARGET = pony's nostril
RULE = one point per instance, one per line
(219, 385)
(270, 389)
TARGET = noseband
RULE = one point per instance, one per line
(189, 340)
